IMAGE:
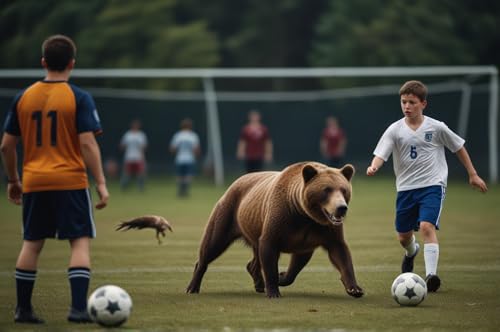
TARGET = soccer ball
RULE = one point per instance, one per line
(109, 306)
(409, 289)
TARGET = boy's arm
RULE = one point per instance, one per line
(474, 179)
(322, 147)
(343, 144)
(240, 150)
(377, 162)
(92, 158)
(268, 156)
(9, 157)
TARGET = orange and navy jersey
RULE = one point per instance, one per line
(49, 116)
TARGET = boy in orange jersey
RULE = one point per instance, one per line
(56, 123)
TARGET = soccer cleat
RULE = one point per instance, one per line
(407, 265)
(77, 316)
(27, 316)
(433, 282)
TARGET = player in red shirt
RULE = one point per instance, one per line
(333, 142)
(255, 145)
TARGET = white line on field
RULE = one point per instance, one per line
(238, 269)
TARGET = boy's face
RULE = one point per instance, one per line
(412, 106)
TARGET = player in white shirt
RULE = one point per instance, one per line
(134, 143)
(417, 144)
(185, 144)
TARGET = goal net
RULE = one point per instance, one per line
(293, 103)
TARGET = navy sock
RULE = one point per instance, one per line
(25, 281)
(79, 278)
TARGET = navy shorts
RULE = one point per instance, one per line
(414, 206)
(185, 169)
(64, 214)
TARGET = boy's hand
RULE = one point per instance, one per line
(477, 182)
(371, 170)
(15, 192)
(102, 191)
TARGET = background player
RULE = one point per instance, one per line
(333, 143)
(185, 144)
(134, 142)
(56, 123)
(255, 145)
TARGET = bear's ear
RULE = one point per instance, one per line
(347, 171)
(308, 172)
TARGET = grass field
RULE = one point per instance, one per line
(156, 275)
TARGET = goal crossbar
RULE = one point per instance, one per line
(263, 72)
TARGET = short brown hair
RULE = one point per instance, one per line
(186, 123)
(416, 88)
(58, 51)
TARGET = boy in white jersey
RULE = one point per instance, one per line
(417, 144)
(185, 144)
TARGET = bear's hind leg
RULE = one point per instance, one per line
(218, 237)
(253, 267)
(194, 285)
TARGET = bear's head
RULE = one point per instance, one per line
(327, 192)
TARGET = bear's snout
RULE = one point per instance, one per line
(336, 217)
(341, 211)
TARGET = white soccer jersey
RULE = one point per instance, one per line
(134, 142)
(418, 155)
(185, 142)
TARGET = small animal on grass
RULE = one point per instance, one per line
(293, 211)
(156, 222)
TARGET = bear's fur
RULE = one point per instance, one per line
(292, 211)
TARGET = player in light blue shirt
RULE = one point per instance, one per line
(185, 144)
(417, 144)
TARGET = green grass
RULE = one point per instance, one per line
(156, 275)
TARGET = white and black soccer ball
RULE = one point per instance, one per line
(409, 289)
(109, 306)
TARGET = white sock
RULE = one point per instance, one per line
(431, 258)
(412, 247)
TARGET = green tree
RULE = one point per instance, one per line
(477, 26)
(256, 34)
(389, 33)
(145, 34)
(275, 34)
(25, 24)
(109, 34)
(113, 33)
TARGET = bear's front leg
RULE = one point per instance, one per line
(269, 256)
(353, 289)
(340, 256)
(297, 263)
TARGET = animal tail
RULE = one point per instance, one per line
(135, 223)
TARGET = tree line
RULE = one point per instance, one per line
(255, 33)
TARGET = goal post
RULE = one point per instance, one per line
(212, 97)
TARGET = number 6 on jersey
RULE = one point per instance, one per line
(413, 152)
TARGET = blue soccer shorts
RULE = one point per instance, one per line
(62, 214)
(185, 169)
(414, 206)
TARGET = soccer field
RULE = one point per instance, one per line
(156, 275)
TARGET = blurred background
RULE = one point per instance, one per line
(178, 34)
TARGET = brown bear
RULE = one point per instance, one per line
(292, 211)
